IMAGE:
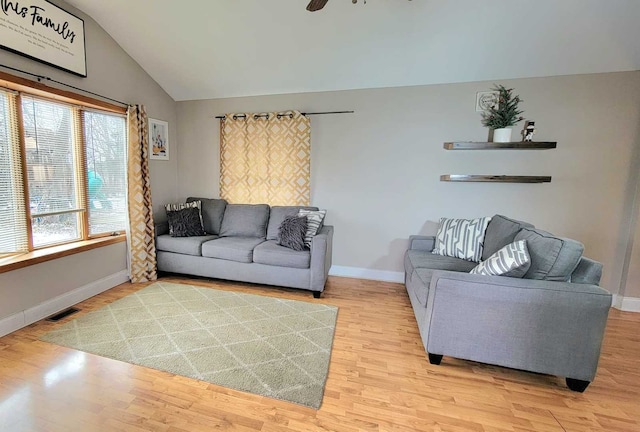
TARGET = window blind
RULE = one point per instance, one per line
(52, 158)
(105, 154)
(13, 221)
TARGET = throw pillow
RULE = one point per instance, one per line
(314, 222)
(180, 206)
(292, 231)
(185, 222)
(461, 238)
(513, 260)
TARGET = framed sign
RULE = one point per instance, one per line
(158, 139)
(44, 32)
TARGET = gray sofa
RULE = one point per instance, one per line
(241, 245)
(551, 321)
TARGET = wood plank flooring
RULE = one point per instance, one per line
(379, 380)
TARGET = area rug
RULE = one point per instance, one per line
(264, 345)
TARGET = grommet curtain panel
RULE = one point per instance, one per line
(265, 158)
(142, 250)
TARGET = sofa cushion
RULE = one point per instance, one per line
(511, 261)
(238, 249)
(212, 213)
(552, 258)
(185, 222)
(461, 238)
(271, 253)
(182, 245)
(292, 231)
(315, 220)
(277, 215)
(245, 220)
(588, 271)
(501, 232)
(422, 289)
(175, 216)
(415, 259)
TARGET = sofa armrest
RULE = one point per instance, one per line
(424, 243)
(161, 228)
(321, 251)
(541, 326)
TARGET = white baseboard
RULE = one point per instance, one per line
(628, 304)
(11, 323)
(363, 273)
(56, 304)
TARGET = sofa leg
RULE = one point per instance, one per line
(316, 294)
(577, 385)
(435, 359)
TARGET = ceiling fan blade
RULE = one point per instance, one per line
(316, 5)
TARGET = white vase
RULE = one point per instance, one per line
(502, 135)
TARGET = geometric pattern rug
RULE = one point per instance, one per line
(268, 346)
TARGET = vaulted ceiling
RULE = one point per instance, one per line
(201, 49)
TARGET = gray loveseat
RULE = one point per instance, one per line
(241, 245)
(551, 321)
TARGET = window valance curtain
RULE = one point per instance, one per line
(265, 158)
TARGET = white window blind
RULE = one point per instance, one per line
(51, 155)
(13, 221)
(105, 144)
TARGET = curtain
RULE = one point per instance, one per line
(142, 250)
(265, 158)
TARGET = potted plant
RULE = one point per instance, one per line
(505, 114)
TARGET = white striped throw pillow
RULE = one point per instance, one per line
(513, 260)
(461, 238)
(314, 222)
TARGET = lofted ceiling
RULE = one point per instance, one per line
(202, 49)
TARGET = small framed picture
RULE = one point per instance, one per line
(486, 100)
(158, 139)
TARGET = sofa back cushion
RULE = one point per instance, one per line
(212, 213)
(501, 232)
(245, 220)
(552, 258)
(277, 215)
(588, 271)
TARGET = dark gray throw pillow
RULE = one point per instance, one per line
(292, 231)
(185, 222)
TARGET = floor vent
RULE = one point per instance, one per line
(65, 313)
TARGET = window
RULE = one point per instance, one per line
(13, 221)
(70, 162)
(105, 153)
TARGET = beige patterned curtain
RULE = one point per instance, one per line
(265, 158)
(142, 250)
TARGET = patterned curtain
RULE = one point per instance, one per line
(142, 250)
(265, 158)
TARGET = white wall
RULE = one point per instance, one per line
(111, 72)
(377, 171)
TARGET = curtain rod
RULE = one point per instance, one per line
(304, 114)
(42, 77)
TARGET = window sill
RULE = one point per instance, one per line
(42, 255)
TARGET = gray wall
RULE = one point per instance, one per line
(111, 72)
(377, 171)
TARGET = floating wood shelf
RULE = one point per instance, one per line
(495, 178)
(524, 145)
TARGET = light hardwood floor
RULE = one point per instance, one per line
(379, 380)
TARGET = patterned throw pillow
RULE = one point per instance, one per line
(314, 222)
(513, 260)
(185, 222)
(461, 238)
(292, 231)
(180, 206)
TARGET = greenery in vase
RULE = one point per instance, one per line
(506, 113)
